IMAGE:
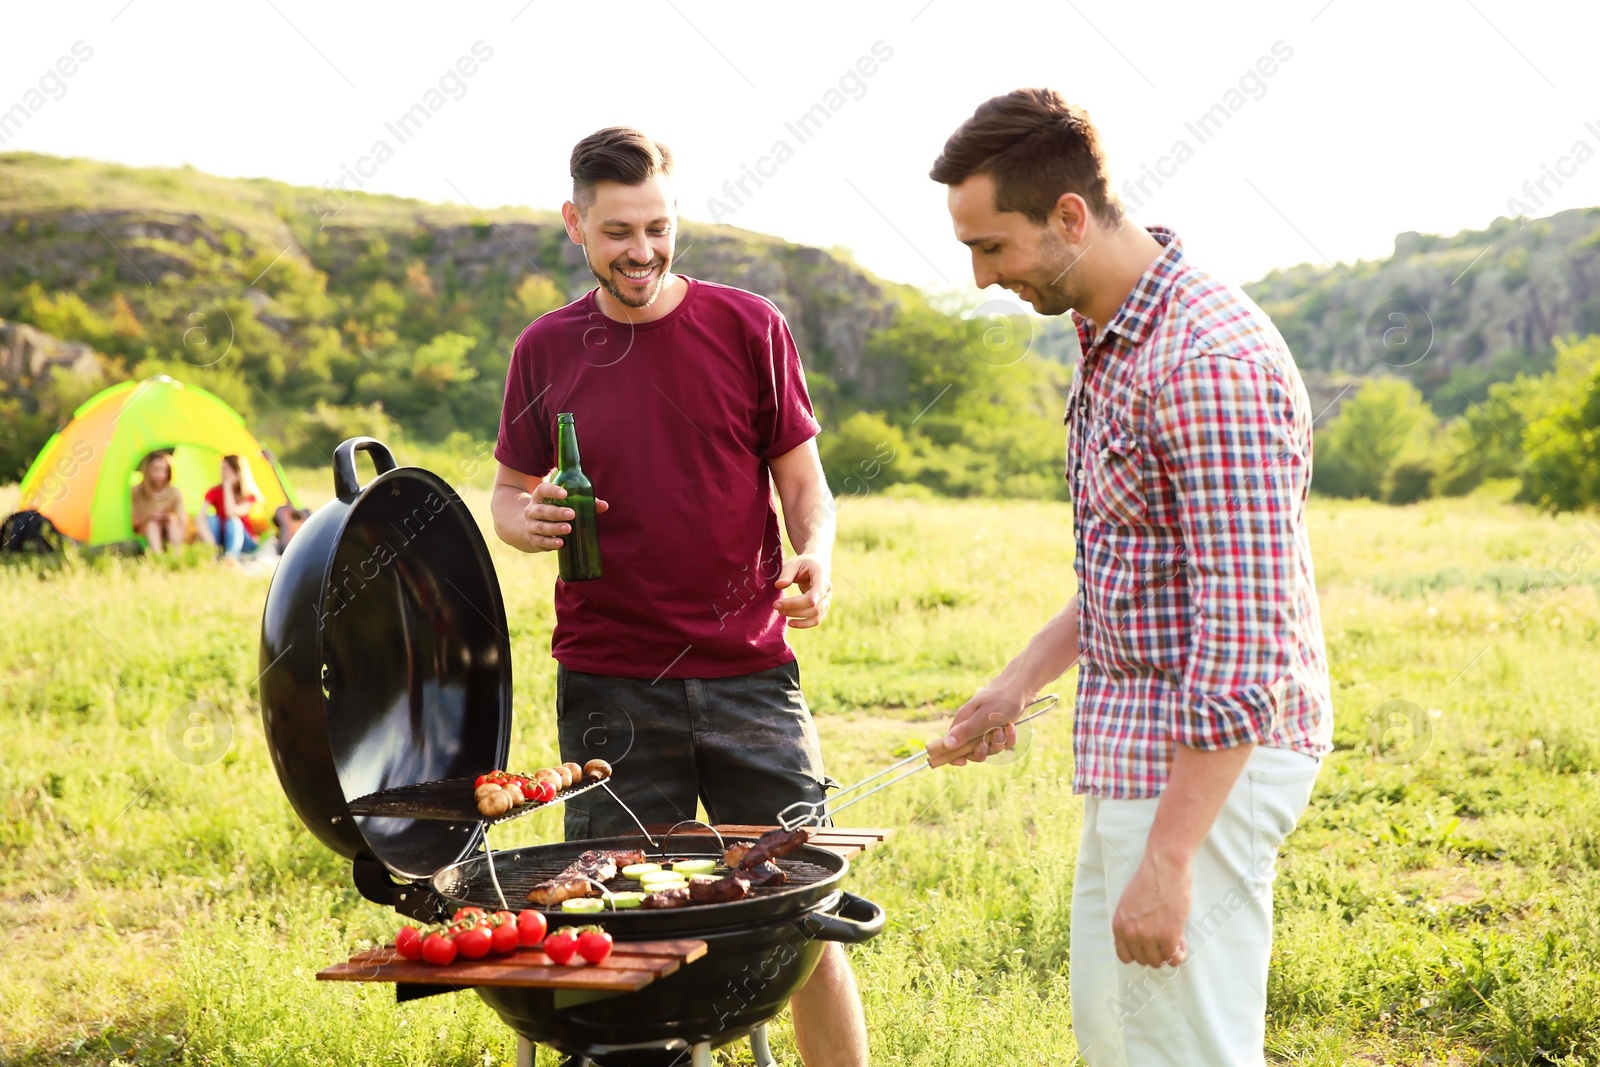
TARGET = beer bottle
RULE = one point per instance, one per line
(579, 554)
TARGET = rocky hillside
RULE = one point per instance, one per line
(99, 230)
(1452, 314)
(320, 315)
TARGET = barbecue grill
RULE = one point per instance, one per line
(386, 688)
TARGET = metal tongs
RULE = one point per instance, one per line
(812, 813)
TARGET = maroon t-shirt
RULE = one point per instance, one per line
(676, 421)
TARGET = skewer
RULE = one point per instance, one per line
(812, 813)
(722, 846)
(494, 876)
(631, 815)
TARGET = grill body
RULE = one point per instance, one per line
(386, 686)
(745, 978)
(760, 951)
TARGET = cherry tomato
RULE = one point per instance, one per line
(468, 915)
(480, 780)
(531, 926)
(544, 791)
(561, 945)
(408, 942)
(594, 945)
(475, 943)
(505, 939)
(438, 949)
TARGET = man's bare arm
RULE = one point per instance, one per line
(808, 516)
(1149, 921)
(1048, 655)
(526, 516)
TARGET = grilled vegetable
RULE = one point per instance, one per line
(505, 938)
(408, 942)
(438, 949)
(530, 928)
(494, 803)
(639, 870)
(561, 945)
(474, 942)
(594, 944)
(585, 905)
(694, 866)
(598, 769)
(624, 901)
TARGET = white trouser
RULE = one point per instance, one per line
(1211, 1010)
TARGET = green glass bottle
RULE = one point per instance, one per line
(579, 554)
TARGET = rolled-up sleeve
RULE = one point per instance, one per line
(1225, 431)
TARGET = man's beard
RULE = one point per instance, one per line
(1057, 282)
(622, 296)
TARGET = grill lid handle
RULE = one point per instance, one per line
(345, 482)
(857, 919)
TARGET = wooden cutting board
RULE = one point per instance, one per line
(847, 841)
(632, 965)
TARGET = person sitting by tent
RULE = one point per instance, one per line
(158, 514)
(232, 501)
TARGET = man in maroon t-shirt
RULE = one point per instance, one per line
(691, 406)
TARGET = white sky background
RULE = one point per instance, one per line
(1390, 116)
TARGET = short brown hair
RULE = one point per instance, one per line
(1035, 146)
(615, 154)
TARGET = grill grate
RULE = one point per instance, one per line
(519, 870)
(448, 800)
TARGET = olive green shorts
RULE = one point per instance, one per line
(745, 746)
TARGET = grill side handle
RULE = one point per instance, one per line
(857, 919)
(415, 901)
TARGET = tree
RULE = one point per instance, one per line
(1563, 442)
(1386, 424)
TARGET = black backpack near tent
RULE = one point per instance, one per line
(29, 531)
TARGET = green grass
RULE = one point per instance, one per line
(1445, 911)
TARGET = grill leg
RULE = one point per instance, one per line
(700, 1055)
(524, 1052)
(759, 1048)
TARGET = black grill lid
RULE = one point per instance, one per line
(385, 660)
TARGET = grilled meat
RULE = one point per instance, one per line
(708, 890)
(619, 857)
(768, 873)
(771, 845)
(736, 852)
(575, 880)
(666, 898)
(550, 894)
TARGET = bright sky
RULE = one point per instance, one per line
(1376, 117)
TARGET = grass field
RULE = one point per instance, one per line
(1439, 904)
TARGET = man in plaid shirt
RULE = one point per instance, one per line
(1203, 705)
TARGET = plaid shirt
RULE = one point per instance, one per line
(1189, 460)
